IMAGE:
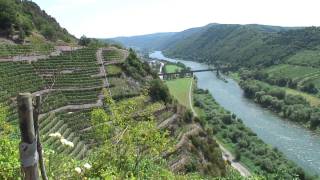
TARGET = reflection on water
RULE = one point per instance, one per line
(297, 143)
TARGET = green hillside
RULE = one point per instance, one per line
(286, 56)
(151, 41)
(105, 114)
(20, 19)
(248, 45)
(90, 111)
(279, 56)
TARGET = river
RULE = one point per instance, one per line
(298, 143)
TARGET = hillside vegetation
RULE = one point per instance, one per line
(153, 41)
(279, 56)
(129, 130)
(20, 19)
(259, 157)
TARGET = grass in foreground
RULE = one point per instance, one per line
(180, 88)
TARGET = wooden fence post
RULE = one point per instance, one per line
(28, 145)
(36, 113)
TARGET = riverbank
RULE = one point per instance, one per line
(292, 107)
(183, 89)
(247, 148)
(296, 143)
(226, 154)
(313, 101)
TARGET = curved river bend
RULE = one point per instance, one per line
(297, 143)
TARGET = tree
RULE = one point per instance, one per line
(8, 15)
(295, 99)
(258, 96)
(310, 88)
(227, 119)
(292, 84)
(134, 148)
(314, 120)
(250, 88)
(48, 32)
(277, 92)
(188, 116)
(266, 100)
(158, 91)
(237, 154)
(84, 41)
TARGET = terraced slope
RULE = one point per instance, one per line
(70, 85)
(73, 79)
(113, 54)
(7, 51)
(121, 85)
(76, 79)
(302, 75)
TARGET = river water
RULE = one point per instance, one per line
(299, 144)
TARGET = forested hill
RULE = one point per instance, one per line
(20, 19)
(245, 45)
(153, 41)
(157, 41)
(250, 45)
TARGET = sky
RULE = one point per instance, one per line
(112, 18)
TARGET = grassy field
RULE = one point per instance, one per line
(180, 88)
(113, 70)
(235, 76)
(303, 75)
(291, 71)
(172, 68)
(306, 58)
(313, 100)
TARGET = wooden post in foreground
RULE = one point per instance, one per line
(28, 145)
(36, 113)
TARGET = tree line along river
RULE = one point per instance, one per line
(298, 143)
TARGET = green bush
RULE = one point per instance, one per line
(158, 91)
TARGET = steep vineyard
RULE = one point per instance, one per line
(74, 84)
(67, 83)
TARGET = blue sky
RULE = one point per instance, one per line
(110, 18)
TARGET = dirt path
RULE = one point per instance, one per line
(35, 57)
(165, 123)
(112, 62)
(74, 107)
(44, 91)
(190, 98)
(30, 58)
(102, 68)
(226, 155)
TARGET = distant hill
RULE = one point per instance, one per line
(283, 54)
(20, 19)
(150, 41)
(244, 45)
(156, 41)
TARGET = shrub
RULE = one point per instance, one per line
(158, 91)
(187, 117)
(237, 155)
(310, 88)
(227, 119)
